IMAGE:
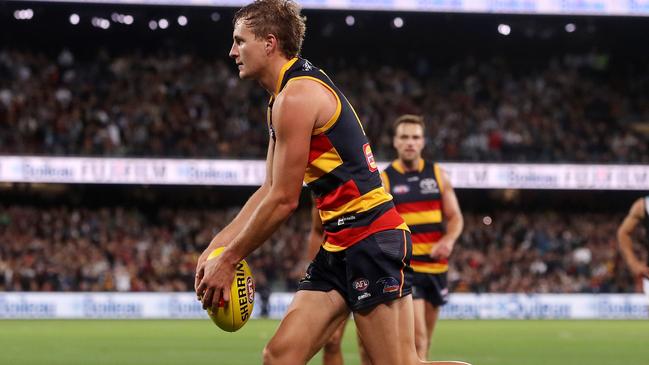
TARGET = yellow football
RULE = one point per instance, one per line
(233, 315)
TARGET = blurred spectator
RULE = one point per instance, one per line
(185, 105)
(124, 249)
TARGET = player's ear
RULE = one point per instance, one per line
(270, 43)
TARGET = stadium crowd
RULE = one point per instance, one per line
(571, 108)
(129, 249)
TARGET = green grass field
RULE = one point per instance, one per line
(200, 342)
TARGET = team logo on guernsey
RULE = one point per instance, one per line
(369, 156)
(428, 186)
(360, 284)
(343, 220)
(390, 284)
(307, 66)
(400, 189)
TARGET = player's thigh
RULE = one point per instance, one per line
(310, 320)
(431, 314)
(336, 337)
(387, 330)
(419, 310)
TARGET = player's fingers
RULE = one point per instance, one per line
(218, 300)
(226, 294)
(199, 276)
(208, 298)
(202, 286)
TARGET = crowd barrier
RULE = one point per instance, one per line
(23, 305)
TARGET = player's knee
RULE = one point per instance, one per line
(281, 355)
(333, 345)
(271, 354)
(421, 345)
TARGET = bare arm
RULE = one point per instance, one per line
(294, 117)
(636, 213)
(453, 217)
(316, 234)
(227, 234)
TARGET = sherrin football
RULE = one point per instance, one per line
(233, 315)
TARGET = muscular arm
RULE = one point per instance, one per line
(453, 217)
(295, 113)
(316, 234)
(636, 213)
(227, 234)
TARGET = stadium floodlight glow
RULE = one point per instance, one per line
(350, 20)
(24, 14)
(153, 25)
(100, 23)
(570, 27)
(163, 23)
(128, 19)
(398, 22)
(504, 29)
(215, 16)
(116, 17)
(182, 20)
(74, 19)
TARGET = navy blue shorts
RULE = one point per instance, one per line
(374, 270)
(433, 288)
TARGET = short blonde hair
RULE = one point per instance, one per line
(409, 119)
(280, 18)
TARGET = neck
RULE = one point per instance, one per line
(411, 165)
(269, 78)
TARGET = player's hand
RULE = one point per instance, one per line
(640, 269)
(200, 272)
(442, 250)
(216, 282)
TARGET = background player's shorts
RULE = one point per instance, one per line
(372, 271)
(645, 286)
(433, 288)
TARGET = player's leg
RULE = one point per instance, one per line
(431, 315)
(362, 354)
(387, 331)
(331, 352)
(311, 319)
(422, 339)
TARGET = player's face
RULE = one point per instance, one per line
(247, 51)
(409, 141)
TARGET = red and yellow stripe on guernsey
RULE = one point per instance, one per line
(323, 158)
(429, 267)
(423, 212)
(338, 241)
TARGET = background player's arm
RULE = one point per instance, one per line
(316, 234)
(624, 232)
(294, 116)
(230, 231)
(453, 217)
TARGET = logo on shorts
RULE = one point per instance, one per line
(400, 189)
(390, 284)
(360, 284)
(363, 296)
